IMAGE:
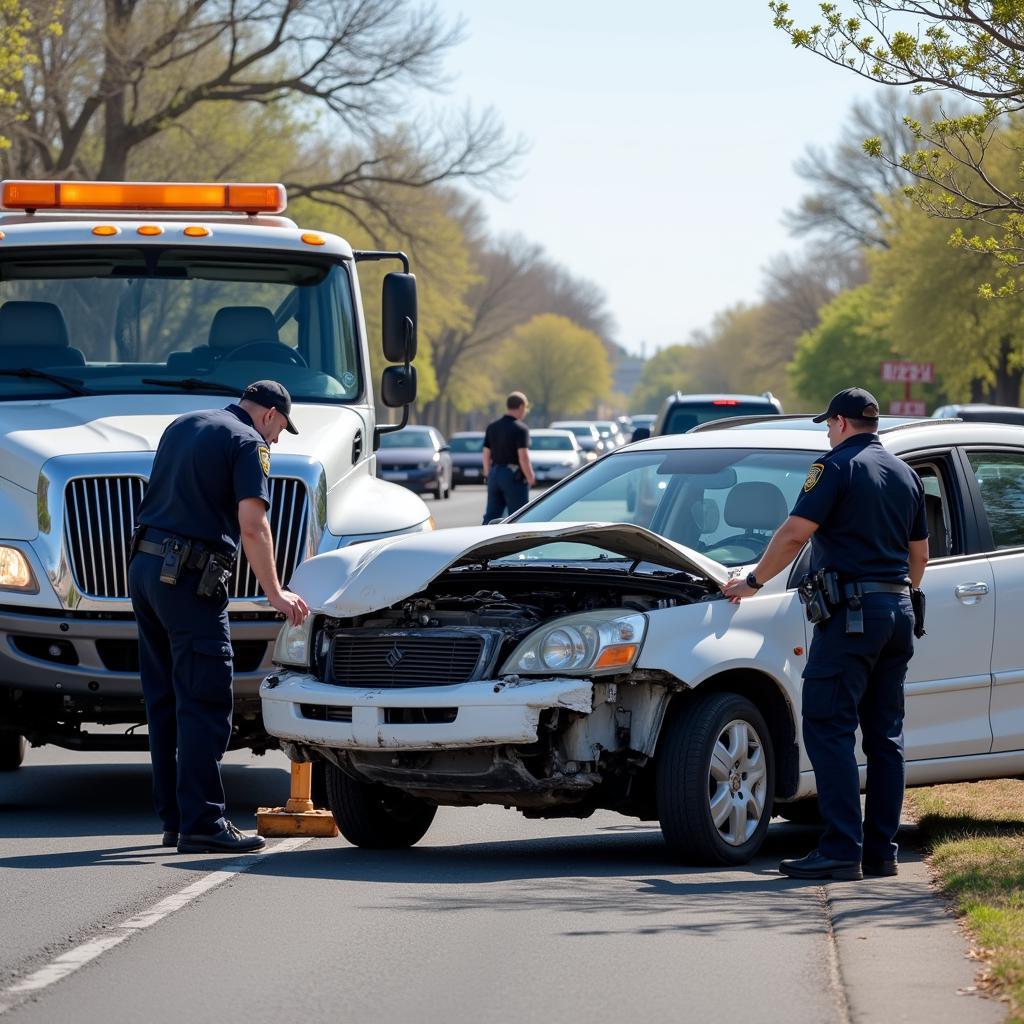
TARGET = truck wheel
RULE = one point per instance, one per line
(801, 812)
(376, 817)
(715, 780)
(12, 751)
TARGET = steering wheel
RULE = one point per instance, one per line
(270, 348)
(754, 543)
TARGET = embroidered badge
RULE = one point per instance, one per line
(265, 460)
(813, 475)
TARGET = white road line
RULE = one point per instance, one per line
(69, 962)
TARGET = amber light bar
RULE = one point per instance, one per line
(112, 195)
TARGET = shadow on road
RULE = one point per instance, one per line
(53, 801)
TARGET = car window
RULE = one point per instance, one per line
(547, 443)
(685, 415)
(467, 444)
(726, 503)
(407, 439)
(937, 509)
(1000, 477)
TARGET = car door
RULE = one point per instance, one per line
(997, 475)
(948, 682)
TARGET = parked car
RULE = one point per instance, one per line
(581, 656)
(554, 454)
(683, 412)
(467, 448)
(979, 412)
(587, 435)
(417, 458)
(611, 434)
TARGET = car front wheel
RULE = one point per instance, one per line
(715, 780)
(376, 817)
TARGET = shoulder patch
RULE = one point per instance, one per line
(813, 475)
(265, 459)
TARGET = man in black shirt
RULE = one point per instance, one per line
(507, 468)
(862, 509)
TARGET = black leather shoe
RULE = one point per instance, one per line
(228, 840)
(882, 868)
(814, 865)
(169, 839)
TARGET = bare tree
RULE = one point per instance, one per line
(847, 185)
(124, 71)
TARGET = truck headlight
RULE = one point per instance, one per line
(591, 643)
(15, 572)
(294, 644)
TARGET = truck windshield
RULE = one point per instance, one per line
(129, 319)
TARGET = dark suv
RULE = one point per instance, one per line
(681, 413)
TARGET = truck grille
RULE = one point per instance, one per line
(99, 513)
(436, 658)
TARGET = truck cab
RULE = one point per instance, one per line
(123, 306)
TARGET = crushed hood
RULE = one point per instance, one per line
(366, 577)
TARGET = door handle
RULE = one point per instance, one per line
(969, 593)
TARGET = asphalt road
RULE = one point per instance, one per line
(491, 917)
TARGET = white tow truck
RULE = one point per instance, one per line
(122, 306)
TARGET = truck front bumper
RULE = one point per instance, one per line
(298, 707)
(75, 655)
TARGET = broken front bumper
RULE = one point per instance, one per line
(298, 707)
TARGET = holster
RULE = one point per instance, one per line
(815, 590)
(214, 575)
(917, 599)
(175, 556)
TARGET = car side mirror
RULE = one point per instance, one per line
(640, 434)
(398, 386)
(398, 318)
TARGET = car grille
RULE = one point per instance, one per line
(98, 517)
(428, 658)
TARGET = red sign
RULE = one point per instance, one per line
(903, 372)
(907, 407)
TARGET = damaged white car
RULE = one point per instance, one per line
(582, 656)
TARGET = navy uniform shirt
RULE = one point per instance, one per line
(206, 463)
(505, 437)
(868, 505)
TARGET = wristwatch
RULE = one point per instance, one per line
(752, 582)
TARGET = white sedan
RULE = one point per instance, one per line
(581, 655)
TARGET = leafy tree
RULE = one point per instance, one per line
(974, 50)
(669, 370)
(931, 303)
(562, 367)
(846, 349)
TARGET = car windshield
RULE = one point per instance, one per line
(579, 429)
(723, 502)
(685, 415)
(467, 444)
(406, 439)
(550, 443)
(128, 319)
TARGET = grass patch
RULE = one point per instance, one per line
(975, 834)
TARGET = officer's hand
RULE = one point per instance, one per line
(736, 589)
(291, 606)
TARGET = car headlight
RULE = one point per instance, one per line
(15, 572)
(294, 644)
(591, 643)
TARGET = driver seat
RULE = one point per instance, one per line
(756, 507)
(231, 327)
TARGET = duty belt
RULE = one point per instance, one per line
(853, 593)
(198, 552)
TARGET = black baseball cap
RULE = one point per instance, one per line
(272, 395)
(851, 403)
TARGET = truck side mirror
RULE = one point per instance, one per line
(398, 386)
(640, 434)
(398, 319)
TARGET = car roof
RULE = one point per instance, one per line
(898, 437)
(467, 433)
(552, 431)
(685, 397)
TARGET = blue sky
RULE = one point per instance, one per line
(662, 137)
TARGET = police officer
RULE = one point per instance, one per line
(863, 511)
(208, 489)
(507, 469)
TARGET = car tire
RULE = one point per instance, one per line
(439, 489)
(376, 817)
(449, 487)
(801, 812)
(708, 755)
(12, 751)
